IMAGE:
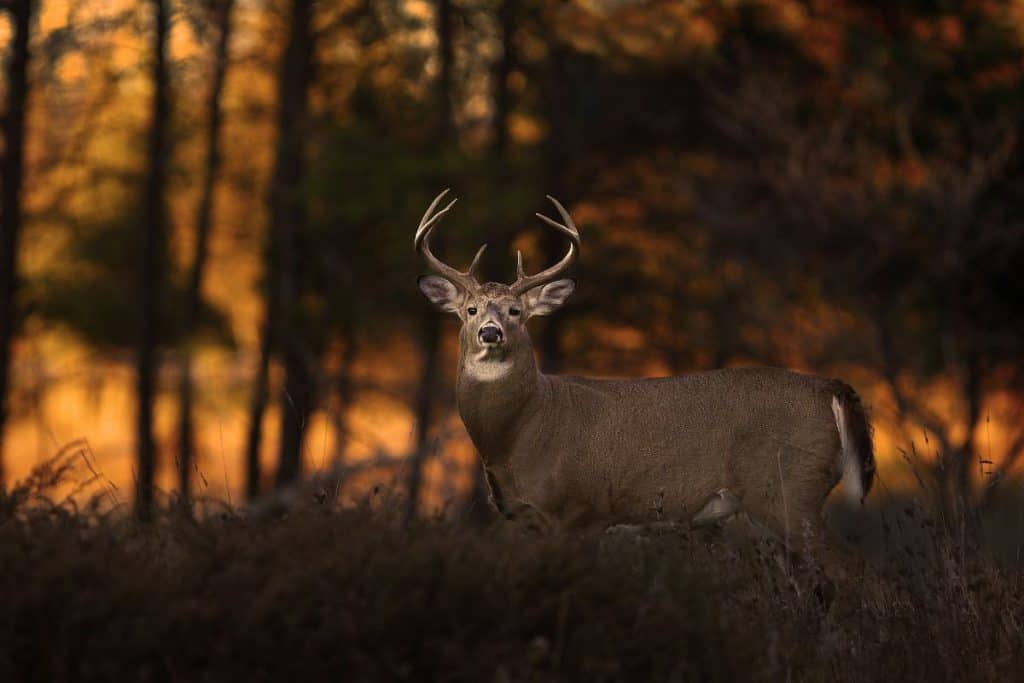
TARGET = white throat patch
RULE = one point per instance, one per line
(482, 369)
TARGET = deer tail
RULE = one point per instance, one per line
(857, 454)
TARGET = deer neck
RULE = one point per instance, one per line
(494, 402)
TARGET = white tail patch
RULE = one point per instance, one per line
(852, 483)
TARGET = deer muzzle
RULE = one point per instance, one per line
(490, 334)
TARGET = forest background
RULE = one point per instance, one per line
(207, 282)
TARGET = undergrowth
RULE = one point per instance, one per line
(357, 595)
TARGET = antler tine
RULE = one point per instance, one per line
(476, 261)
(422, 244)
(569, 228)
(430, 218)
(525, 282)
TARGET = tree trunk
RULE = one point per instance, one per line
(151, 241)
(288, 218)
(556, 158)
(204, 218)
(431, 325)
(345, 388)
(446, 51)
(502, 71)
(963, 502)
(497, 263)
(297, 403)
(258, 402)
(424, 409)
(12, 170)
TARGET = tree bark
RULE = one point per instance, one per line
(150, 273)
(424, 409)
(204, 219)
(556, 158)
(345, 390)
(497, 263)
(258, 402)
(12, 171)
(965, 455)
(431, 324)
(502, 71)
(288, 217)
(446, 52)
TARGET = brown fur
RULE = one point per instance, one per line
(577, 450)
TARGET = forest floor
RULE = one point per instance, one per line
(357, 595)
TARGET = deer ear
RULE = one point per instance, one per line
(547, 299)
(441, 292)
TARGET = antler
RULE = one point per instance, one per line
(421, 242)
(526, 282)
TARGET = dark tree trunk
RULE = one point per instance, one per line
(151, 261)
(966, 454)
(297, 403)
(497, 263)
(288, 218)
(446, 50)
(502, 71)
(431, 324)
(555, 87)
(424, 408)
(258, 402)
(12, 170)
(204, 217)
(345, 388)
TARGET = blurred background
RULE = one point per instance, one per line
(207, 282)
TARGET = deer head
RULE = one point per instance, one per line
(494, 315)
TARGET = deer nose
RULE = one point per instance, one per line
(491, 334)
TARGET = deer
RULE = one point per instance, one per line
(698, 448)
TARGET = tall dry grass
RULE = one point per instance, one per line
(353, 594)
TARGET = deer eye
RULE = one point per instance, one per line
(514, 311)
(471, 310)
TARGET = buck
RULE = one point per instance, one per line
(696, 448)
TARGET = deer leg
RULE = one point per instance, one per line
(812, 538)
